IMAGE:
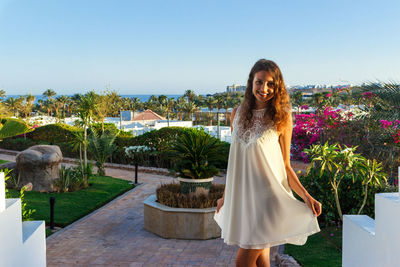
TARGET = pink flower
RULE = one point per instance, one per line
(305, 107)
(367, 94)
(328, 95)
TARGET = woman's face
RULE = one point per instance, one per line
(263, 87)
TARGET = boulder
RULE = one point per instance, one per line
(39, 165)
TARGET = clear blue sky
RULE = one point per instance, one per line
(168, 46)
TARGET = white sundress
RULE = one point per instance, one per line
(259, 209)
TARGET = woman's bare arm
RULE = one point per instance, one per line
(294, 182)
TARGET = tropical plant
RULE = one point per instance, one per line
(26, 213)
(102, 147)
(372, 176)
(195, 153)
(337, 163)
(86, 109)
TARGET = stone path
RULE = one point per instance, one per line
(114, 235)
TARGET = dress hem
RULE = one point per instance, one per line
(272, 244)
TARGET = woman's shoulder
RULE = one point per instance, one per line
(234, 111)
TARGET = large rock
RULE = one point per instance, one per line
(39, 165)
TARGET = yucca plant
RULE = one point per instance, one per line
(101, 147)
(195, 152)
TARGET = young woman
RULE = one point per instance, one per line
(258, 209)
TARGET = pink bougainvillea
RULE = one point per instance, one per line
(308, 128)
(304, 107)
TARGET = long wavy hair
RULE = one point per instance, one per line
(279, 106)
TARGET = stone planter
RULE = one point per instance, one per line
(190, 185)
(179, 223)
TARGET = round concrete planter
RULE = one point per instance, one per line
(179, 223)
(190, 185)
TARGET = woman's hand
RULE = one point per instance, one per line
(313, 204)
(220, 202)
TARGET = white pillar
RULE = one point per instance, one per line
(2, 193)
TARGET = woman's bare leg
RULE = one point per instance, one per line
(263, 259)
(247, 257)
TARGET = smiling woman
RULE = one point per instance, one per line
(258, 209)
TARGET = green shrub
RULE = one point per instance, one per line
(71, 179)
(108, 127)
(343, 181)
(19, 143)
(54, 133)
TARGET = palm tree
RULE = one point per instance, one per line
(189, 108)
(49, 93)
(2, 94)
(170, 106)
(62, 101)
(297, 100)
(211, 102)
(190, 95)
(219, 103)
(180, 106)
(86, 109)
(12, 104)
(102, 147)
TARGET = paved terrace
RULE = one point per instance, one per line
(114, 235)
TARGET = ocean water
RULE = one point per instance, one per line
(143, 98)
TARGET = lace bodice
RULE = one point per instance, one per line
(259, 128)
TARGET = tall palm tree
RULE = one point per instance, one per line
(189, 108)
(180, 107)
(170, 106)
(190, 94)
(62, 101)
(86, 109)
(210, 103)
(297, 100)
(49, 93)
(219, 103)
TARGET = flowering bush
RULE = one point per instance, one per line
(309, 129)
(139, 154)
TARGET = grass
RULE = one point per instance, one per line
(3, 161)
(321, 249)
(72, 206)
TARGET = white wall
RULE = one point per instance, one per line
(368, 242)
(21, 244)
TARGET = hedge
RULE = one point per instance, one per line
(54, 133)
(62, 134)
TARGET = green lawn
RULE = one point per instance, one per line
(321, 249)
(3, 161)
(72, 206)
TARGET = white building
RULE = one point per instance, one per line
(235, 88)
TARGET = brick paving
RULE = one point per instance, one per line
(114, 235)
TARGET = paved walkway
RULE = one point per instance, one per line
(114, 235)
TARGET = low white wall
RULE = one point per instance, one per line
(368, 242)
(21, 244)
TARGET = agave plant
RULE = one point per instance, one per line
(195, 152)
